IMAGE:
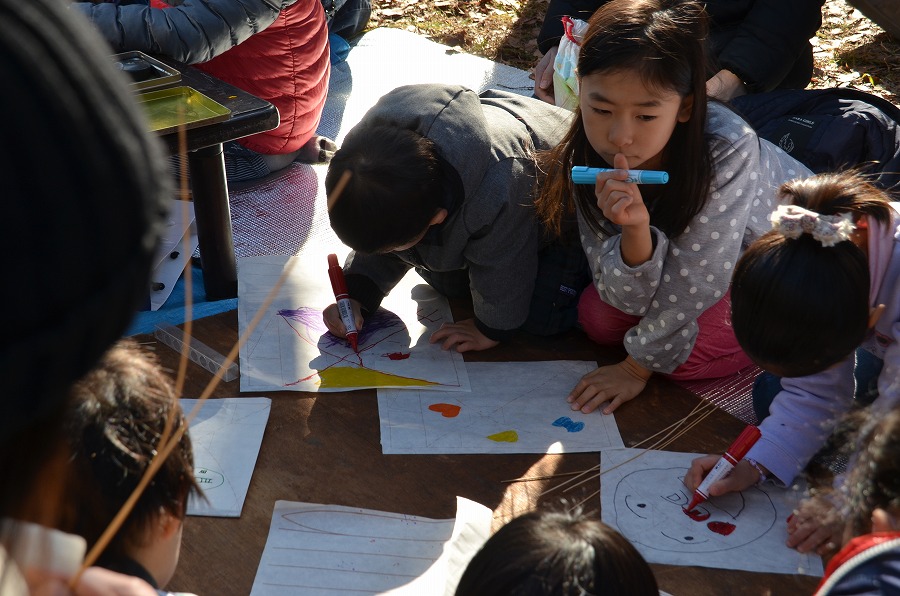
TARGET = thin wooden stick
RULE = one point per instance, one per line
(662, 443)
(339, 188)
(547, 477)
(668, 429)
(185, 246)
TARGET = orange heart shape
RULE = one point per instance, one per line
(446, 410)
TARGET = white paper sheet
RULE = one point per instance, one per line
(329, 549)
(514, 407)
(225, 435)
(643, 499)
(291, 350)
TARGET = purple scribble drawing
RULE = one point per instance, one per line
(311, 320)
(568, 424)
(307, 323)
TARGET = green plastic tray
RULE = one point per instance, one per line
(166, 109)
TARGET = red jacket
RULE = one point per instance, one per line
(287, 64)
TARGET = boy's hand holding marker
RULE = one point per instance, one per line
(331, 316)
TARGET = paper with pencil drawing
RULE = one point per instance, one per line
(292, 350)
(225, 435)
(643, 499)
(514, 407)
(329, 549)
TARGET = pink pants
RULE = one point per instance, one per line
(716, 352)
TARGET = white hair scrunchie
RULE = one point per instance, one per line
(792, 221)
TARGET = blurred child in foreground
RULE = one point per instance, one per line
(116, 418)
(560, 554)
(80, 235)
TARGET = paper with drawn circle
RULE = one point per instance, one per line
(225, 435)
(644, 500)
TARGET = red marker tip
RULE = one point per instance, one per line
(695, 500)
(353, 339)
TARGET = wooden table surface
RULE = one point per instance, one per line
(325, 448)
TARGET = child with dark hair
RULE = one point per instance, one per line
(559, 554)
(869, 562)
(822, 286)
(98, 218)
(662, 255)
(441, 180)
(117, 415)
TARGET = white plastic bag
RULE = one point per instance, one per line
(565, 81)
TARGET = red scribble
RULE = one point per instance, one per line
(723, 528)
(339, 359)
(446, 410)
(697, 515)
(397, 355)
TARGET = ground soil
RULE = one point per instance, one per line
(850, 50)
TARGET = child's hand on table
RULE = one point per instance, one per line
(464, 335)
(616, 384)
(331, 316)
(815, 526)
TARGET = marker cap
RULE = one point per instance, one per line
(744, 442)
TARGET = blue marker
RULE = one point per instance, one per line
(586, 175)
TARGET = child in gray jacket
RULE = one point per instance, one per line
(442, 181)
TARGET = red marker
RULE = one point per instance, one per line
(723, 467)
(336, 274)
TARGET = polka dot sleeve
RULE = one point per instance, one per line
(688, 274)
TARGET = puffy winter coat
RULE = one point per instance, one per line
(276, 50)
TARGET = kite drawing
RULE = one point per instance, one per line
(225, 435)
(514, 407)
(329, 549)
(291, 349)
(644, 499)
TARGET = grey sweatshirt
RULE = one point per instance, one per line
(491, 231)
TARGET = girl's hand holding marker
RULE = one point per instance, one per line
(618, 196)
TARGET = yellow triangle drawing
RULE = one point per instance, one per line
(353, 376)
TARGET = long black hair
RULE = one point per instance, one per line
(665, 42)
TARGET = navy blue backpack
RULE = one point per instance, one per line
(830, 129)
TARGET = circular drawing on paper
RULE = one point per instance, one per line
(208, 479)
(648, 510)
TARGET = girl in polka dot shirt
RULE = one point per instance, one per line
(661, 255)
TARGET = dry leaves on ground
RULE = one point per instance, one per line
(849, 49)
